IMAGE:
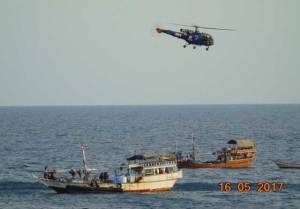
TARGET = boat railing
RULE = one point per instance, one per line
(152, 163)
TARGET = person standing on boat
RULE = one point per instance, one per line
(73, 173)
(79, 173)
(45, 171)
(86, 175)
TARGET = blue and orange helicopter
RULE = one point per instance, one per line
(193, 37)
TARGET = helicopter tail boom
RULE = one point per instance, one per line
(169, 32)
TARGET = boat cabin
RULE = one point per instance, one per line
(239, 149)
(140, 166)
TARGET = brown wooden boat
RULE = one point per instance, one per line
(287, 165)
(239, 155)
(240, 163)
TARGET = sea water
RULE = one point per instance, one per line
(32, 137)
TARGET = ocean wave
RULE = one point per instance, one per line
(19, 186)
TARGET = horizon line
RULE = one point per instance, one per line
(106, 105)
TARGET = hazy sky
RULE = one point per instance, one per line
(59, 52)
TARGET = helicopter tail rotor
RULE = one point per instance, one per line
(155, 28)
(159, 30)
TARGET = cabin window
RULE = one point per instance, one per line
(149, 172)
(170, 169)
(136, 170)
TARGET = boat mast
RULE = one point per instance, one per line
(193, 153)
(83, 157)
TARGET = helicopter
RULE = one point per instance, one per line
(193, 37)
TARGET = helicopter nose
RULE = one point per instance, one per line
(211, 41)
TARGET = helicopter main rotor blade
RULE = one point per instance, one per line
(196, 26)
(181, 25)
(213, 28)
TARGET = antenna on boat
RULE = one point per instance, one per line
(83, 156)
(175, 146)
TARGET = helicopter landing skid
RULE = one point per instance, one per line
(185, 45)
(194, 46)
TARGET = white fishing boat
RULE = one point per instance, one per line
(141, 173)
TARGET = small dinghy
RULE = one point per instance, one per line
(287, 165)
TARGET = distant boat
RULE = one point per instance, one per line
(240, 155)
(287, 165)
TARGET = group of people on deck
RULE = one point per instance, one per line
(51, 173)
(80, 173)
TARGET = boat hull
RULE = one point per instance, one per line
(157, 183)
(153, 183)
(75, 187)
(287, 165)
(231, 164)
